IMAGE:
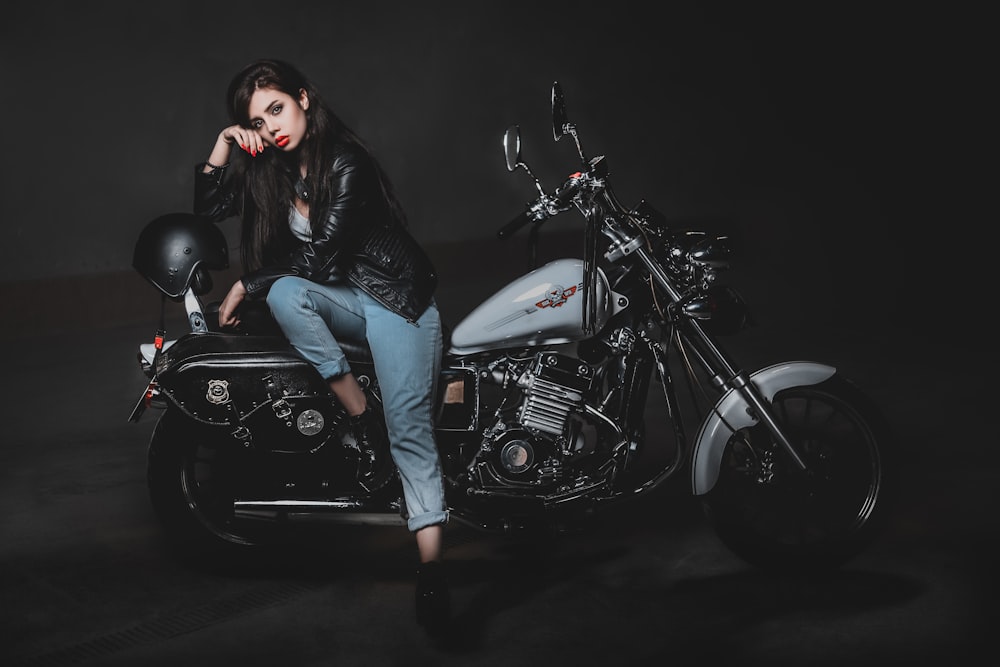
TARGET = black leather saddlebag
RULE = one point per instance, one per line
(256, 387)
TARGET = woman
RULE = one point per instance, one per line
(325, 242)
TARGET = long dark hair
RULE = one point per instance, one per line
(269, 179)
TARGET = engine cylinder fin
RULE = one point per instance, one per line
(545, 388)
(547, 405)
(543, 402)
(552, 411)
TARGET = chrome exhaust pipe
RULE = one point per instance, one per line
(328, 511)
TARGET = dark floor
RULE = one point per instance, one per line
(85, 577)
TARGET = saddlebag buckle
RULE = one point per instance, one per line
(282, 410)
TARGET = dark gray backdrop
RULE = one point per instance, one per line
(841, 145)
(822, 138)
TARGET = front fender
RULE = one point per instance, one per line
(731, 413)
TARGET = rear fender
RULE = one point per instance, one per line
(732, 413)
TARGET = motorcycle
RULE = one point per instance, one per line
(542, 397)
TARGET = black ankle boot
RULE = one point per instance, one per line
(373, 445)
(433, 600)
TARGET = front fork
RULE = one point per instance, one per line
(724, 374)
(741, 383)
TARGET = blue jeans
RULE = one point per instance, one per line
(407, 361)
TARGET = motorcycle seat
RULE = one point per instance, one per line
(256, 322)
(257, 332)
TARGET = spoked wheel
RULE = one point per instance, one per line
(776, 516)
(192, 473)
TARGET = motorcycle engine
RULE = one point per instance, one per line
(540, 438)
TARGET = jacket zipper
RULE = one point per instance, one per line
(381, 301)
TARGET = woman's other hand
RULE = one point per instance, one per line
(227, 310)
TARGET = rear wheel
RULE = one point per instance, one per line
(192, 473)
(776, 516)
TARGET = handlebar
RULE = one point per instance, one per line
(545, 206)
(519, 221)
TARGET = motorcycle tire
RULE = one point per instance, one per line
(776, 516)
(191, 470)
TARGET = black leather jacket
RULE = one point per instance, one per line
(359, 242)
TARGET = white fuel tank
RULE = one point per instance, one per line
(543, 307)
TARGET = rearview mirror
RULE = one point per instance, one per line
(512, 147)
(559, 118)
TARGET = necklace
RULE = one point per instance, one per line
(301, 191)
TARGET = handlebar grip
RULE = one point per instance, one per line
(565, 194)
(520, 221)
(546, 207)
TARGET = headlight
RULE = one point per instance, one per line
(720, 309)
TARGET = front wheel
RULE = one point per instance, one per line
(776, 516)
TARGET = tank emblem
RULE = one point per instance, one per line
(554, 298)
(557, 296)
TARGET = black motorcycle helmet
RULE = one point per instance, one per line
(176, 250)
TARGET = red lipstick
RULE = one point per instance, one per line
(281, 141)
